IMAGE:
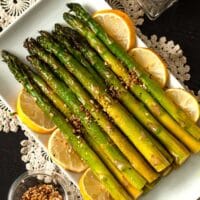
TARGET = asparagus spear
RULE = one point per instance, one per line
(134, 84)
(66, 111)
(82, 60)
(57, 102)
(123, 144)
(137, 108)
(104, 143)
(79, 145)
(135, 132)
(152, 86)
(135, 193)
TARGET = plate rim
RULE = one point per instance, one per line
(24, 127)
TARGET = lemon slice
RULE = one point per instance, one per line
(31, 115)
(63, 154)
(118, 25)
(91, 188)
(152, 63)
(186, 101)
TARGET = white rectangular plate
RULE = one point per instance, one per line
(181, 184)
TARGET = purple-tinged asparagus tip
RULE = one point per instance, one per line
(73, 5)
(45, 33)
(68, 16)
(29, 43)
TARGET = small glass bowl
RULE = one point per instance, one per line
(154, 8)
(30, 179)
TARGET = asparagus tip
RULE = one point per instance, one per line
(45, 33)
(45, 36)
(7, 56)
(57, 26)
(68, 16)
(72, 5)
(4, 55)
(29, 43)
(64, 29)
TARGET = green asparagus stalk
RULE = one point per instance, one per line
(97, 116)
(75, 53)
(57, 102)
(135, 193)
(79, 145)
(134, 131)
(118, 138)
(137, 108)
(134, 84)
(152, 86)
(104, 143)
(67, 112)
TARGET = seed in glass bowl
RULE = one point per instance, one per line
(41, 192)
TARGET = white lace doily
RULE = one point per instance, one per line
(36, 159)
(32, 153)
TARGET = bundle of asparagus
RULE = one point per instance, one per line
(80, 146)
(126, 129)
(123, 144)
(180, 130)
(137, 108)
(181, 117)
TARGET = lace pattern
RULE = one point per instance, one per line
(8, 121)
(11, 9)
(32, 153)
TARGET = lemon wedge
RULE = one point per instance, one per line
(91, 188)
(118, 25)
(152, 63)
(31, 115)
(186, 101)
(63, 154)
